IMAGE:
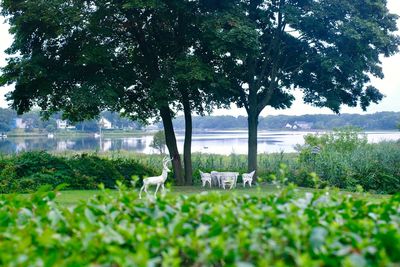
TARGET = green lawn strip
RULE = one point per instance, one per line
(72, 197)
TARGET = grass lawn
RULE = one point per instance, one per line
(74, 196)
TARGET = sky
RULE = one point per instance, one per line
(389, 86)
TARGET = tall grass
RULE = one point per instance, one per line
(267, 163)
(346, 160)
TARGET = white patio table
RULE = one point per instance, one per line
(225, 178)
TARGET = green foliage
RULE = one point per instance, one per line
(346, 160)
(282, 229)
(158, 142)
(29, 171)
(102, 170)
(374, 167)
(327, 49)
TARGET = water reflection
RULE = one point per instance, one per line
(217, 142)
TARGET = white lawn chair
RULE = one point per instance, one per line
(248, 178)
(205, 178)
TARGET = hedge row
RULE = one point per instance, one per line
(28, 171)
(280, 229)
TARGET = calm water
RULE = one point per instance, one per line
(217, 142)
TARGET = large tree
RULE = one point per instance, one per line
(199, 89)
(83, 57)
(328, 49)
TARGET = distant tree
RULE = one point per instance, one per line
(32, 120)
(158, 142)
(51, 128)
(88, 126)
(7, 118)
(328, 49)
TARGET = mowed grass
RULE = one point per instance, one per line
(72, 197)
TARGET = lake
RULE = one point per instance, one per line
(215, 142)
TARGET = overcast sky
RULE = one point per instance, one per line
(389, 86)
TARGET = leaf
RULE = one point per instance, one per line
(317, 238)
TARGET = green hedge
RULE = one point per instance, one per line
(26, 172)
(282, 229)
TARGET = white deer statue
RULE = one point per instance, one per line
(156, 180)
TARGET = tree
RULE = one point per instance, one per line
(328, 49)
(200, 89)
(86, 57)
(7, 118)
(123, 56)
(88, 126)
(158, 142)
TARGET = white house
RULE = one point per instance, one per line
(62, 124)
(104, 123)
(20, 123)
(288, 126)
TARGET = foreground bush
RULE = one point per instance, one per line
(200, 230)
(29, 171)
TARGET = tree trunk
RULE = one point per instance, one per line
(252, 142)
(170, 140)
(187, 147)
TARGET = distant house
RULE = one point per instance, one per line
(303, 125)
(288, 126)
(105, 124)
(63, 124)
(20, 123)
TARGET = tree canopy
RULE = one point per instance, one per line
(328, 49)
(148, 58)
(140, 58)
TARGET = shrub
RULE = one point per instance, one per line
(8, 179)
(29, 171)
(100, 169)
(33, 162)
(129, 167)
(346, 160)
(281, 229)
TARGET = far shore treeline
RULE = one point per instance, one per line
(388, 121)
